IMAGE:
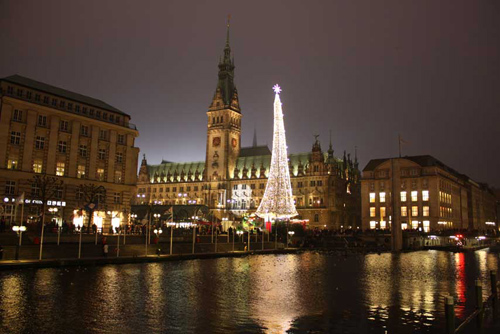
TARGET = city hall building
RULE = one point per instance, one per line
(428, 195)
(77, 139)
(231, 180)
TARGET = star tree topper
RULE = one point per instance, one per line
(277, 89)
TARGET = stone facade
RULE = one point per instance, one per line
(231, 181)
(432, 196)
(81, 140)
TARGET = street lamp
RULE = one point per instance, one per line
(158, 231)
(19, 230)
(239, 233)
(156, 217)
(53, 212)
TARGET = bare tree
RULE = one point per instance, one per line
(46, 187)
(92, 197)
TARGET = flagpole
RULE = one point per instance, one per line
(20, 230)
(399, 141)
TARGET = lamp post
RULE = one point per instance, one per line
(53, 212)
(194, 218)
(158, 232)
(19, 230)
(290, 233)
(225, 219)
(239, 233)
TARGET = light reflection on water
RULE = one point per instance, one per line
(309, 292)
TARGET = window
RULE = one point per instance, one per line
(37, 97)
(425, 211)
(316, 168)
(195, 188)
(382, 212)
(79, 193)
(181, 189)
(382, 197)
(414, 196)
(10, 187)
(403, 196)
(54, 102)
(427, 225)
(10, 90)
(244, 186)
(46, 99)
(252, 186)
(414, 211)
(42, 120)
(102, 154)
(83, 150)
(28, 95)
(61, 147)
(188, 188)
(84, 110)
(174, 189)
(70, 106)
(117, 119)
(161, 189)
(425, 195)
(60, 168)
(373, 224)
(15, 138)
(404, 211)
(103, 134)
(414, 224)
(116, 198)
(100, 174)
(37, 166)
(118, 176)
(119, 157)
(62, 104)
(77, 108)
(84, 130)
(319, 183)
(121, 139)
(19, 92)
(12, 164)
(80, 173)
(382, 185)
(98, 113)
(35, 190)
(105, 116)
(372, 212)
(372, 197)
(111, 118)
(18, 115)
(312, 183)
(39, 142)
(316, 218)
(91, 112)
(59, 193)
(64, 126)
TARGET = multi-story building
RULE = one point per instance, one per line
(231, 181)
(78, 139)
(429, 196)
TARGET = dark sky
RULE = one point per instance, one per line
(367, 70)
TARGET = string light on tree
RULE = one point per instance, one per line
(277, 201)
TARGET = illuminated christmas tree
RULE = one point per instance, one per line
(277, 201)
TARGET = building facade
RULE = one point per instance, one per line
(231, 181)
(430, 196)
(80, 140)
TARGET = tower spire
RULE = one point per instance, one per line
(227, 34)
(254, 144)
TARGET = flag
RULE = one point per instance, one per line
(145, 220)
(20, 199)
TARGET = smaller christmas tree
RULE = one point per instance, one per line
(277, 201)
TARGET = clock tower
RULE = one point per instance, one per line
(223, 129)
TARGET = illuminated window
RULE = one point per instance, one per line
(37, 166)
(414, 224)
(12, 164)
(372, 197)
(118, 176)
(372, 212)
(414, 196)
(403, 196)
(414, 211)
(404, 226)
(60, 168)
(382, 212)
(382, 224)
(404, 211)
(382, 197)
(427, 225)
(100, 174)
(80, 172)
(425, 195)
(425, 211)
(373, 224)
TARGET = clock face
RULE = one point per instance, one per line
(216, 141)
(234, 142)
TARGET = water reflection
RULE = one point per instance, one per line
(310, 292)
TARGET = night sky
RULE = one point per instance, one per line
(366, 70)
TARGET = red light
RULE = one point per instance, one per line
(459, 236)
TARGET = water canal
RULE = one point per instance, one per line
(299, 293)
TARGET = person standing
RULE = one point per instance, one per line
(105, 249)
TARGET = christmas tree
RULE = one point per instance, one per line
(277, 201)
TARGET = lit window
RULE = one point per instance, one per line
(118, 176)
(100, 174)
(425, 211)
(383, 224)
(37, 166)
(414, 196)
(12, 164)
(404, 211)
(80, 172)
(403, 196)
(60, 169)
(382, 212)
(414, 211)
(382, 197)
(373, 224)
(372, 197)
(427, 225)
(425, 195)
(414, 224)
(372, 212)
(404, 226)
